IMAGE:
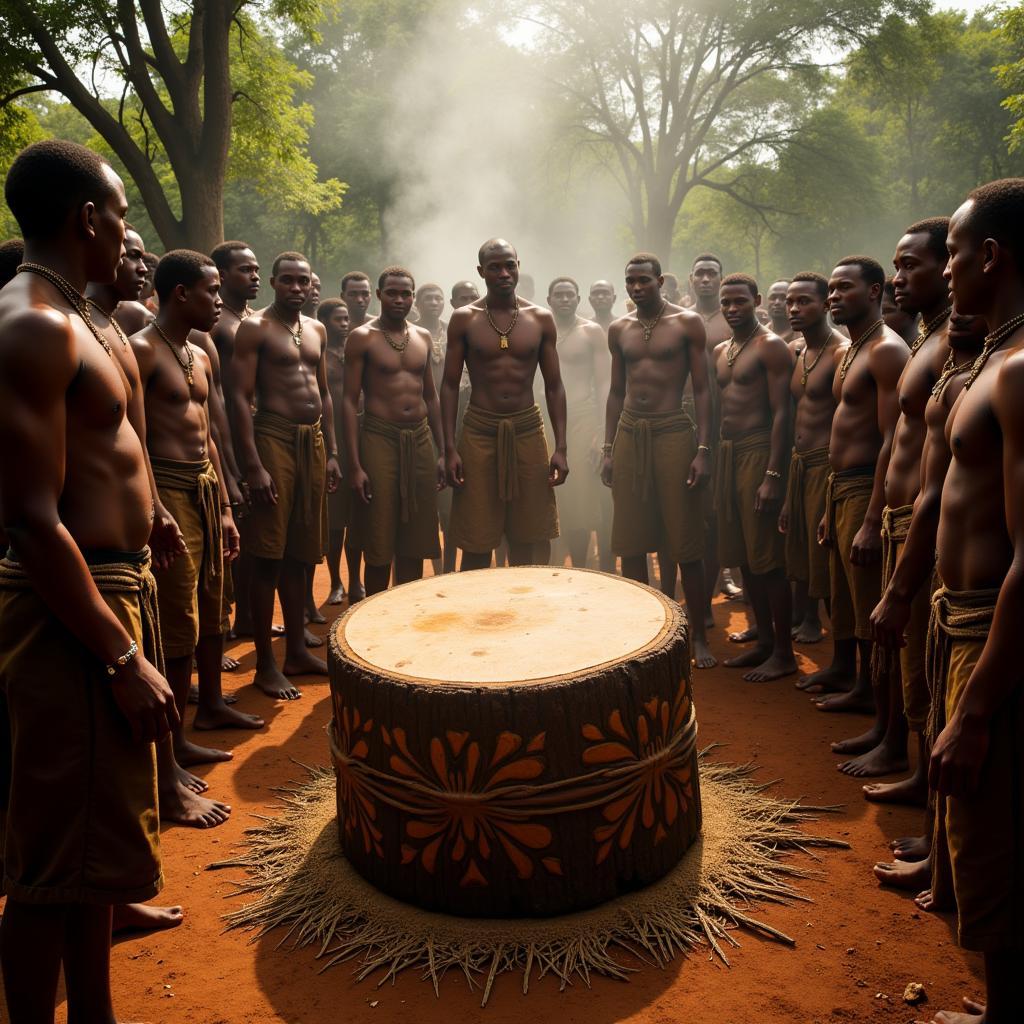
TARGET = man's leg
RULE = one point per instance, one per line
(242, 567)
(668, 572)
(578, 542)
(312, 613)
(268, 677)
(298, 661)
(694, 589)
(32, 938)
(757, 590)
(335, 544)
(528, 554)
(779, 600)
(860, 698)
(213, 711)
(806, 615)
(1003, 1000)
(186, 754)
(888, 753)
(87, 964)
(475, 560)
(378, 578)
(634, 567)
(408, 569)
(353, 559)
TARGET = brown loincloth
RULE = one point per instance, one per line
(806, 559)
(746, 537)
(293, 455)
(654, 510)
(78, 797)
(505, 463)
(401, 519)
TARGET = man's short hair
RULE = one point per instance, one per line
(493, 245)
(224, 254)
(395, 271)
(889, 288)
(937, 229)
(12, 255)
(288, 257)
(707, 257)
(744, 279)
(151, 260)
(464, 283)
(820, 281)
(49, 181)
(353, 275)
(671, 279)
(870, 269)
(998, 212)
(429, 286)
(563, 280)
(645, 257)
(327, 307)
(179, 266)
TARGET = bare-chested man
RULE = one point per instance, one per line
(896, 318)
(280, 368)
(500, 467)
(334, 315)
(177, 381)
(753, 371)
(583, 357)
(901, 694)
(778, 315)
(388, 361)
(124, 296)
(463, 293)
(811, 388)
(867, 409)
(976, 761)
(891, 619)
(313, 302)
(76, 614)
(655, 350)
(602, 304)
(148, 295)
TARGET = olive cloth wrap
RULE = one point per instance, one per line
(856, 589)
(806, 559)
(293, 455)
(200, 478)
(78, 798)
(506, 489)
(401, 518)
(654, 509)
(746, 537)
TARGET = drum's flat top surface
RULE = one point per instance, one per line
(504, 625)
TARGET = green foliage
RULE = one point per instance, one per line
(1011, 71)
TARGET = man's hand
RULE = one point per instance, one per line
(958, 756)
(606, 470)
(360, 484)
(453, 470)
(867, 544)
(889, 622)
(820, 534)
(229, 536)
(333, 474)
(700, 470)
(784, 518)
(234, 491)
(165, 539)
(768, 495)
(558, 469)
(262, 490)
(144, 697)
(442, 476)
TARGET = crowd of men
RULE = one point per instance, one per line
(171, 454)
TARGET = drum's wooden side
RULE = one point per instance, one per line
(512, 801)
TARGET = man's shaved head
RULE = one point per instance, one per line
(494, 245)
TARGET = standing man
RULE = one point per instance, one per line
(811, 389)
(396, 471)
(867, 396)
(656, 459)
(280, 369)
(583, 357)
(753, 371)
(313, 302)
(602, 302)
(463, 293)
(334, 315)
(500, 468)
(903, 322)
(81, 831)
(778, 315)
(124, 298)
(901, 693)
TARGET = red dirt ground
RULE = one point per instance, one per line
(857, 945)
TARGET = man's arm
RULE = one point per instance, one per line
(38, 363)
(778, 367)
(697, 342)
(229, 532)
(355, 365)
(886, 362)
(434, 417)
(960, 751)
(327, 414)
(454, 360)
(616, 399)
(218, 414)
(554, 395)
(245, 366)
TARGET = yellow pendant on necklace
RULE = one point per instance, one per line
(503, 341)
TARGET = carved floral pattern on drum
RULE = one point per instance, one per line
(464, 806)
(661, 788)
(351, 735)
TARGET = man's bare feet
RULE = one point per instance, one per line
(140, 917)
(337, 595)
(187, 754)
(223, 717)
(808, 633)
(879, 760)
(745, 636)
(314, 615)
(975, 1014)
(911, 847)
(826, 680)
(859, 744)
(927, 902)
(183, 807)
(304, 664)
(274, 684)
(749, 659)
(775, 667)
(709, 621)
(228, 664)
(193, 694)
(189, 781)
(728, 588)
(243, 631)
(852, 702)
(901, 874)
(912, 791)
(311, 639)
(356, 593)
(702, 656)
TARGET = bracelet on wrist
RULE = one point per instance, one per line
(128, 655)
(773, 473)
(704, 448)
(606, 449)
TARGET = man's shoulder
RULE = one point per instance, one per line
(421, 333)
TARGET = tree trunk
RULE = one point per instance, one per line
(202, 207)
